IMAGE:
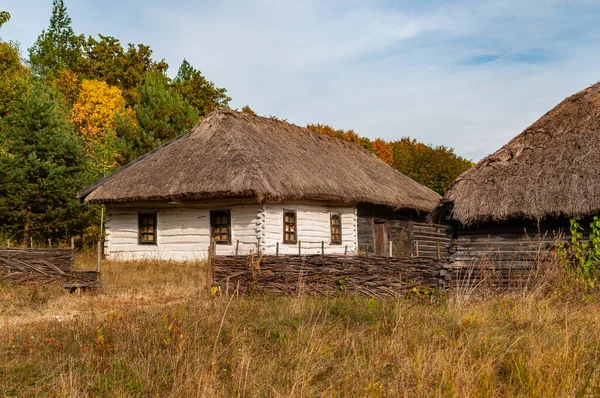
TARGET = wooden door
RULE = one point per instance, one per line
(379, 237)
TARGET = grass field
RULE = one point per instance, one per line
(151, 332)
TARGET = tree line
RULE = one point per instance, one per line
(76, 108)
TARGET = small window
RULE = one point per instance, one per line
(147, 228)
(220, 225)
(289, 227)
(336, 229)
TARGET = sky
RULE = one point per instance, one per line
(464, 74)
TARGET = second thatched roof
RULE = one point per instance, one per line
(231, 154)
(552, 169)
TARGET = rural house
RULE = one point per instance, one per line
(252, 182)
(514, 203)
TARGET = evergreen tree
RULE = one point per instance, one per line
(42, 169)
(162, 114)
(105, 59)
(58, 47)
(199, 92)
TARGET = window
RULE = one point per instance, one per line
(289, 227)
(336, 229)
(147, 228)
(220, 225)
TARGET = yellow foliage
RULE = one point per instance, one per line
(97, 105)
(93, 116)
(66, 83)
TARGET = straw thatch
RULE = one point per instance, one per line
(552, 169)
(232, 154)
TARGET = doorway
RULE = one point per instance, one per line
(379, 236)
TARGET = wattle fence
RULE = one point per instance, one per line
(373, 276)
(19, 266)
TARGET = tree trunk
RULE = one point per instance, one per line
(27, 226)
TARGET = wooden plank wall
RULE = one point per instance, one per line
(502, 256)
(430, 240)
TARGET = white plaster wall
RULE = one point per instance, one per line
(183, 233)
(313, 227)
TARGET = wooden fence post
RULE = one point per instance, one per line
(8, 243)
(391, 248)
(417, 247)
(299, 247)
(50, 243)
(322, 248)
(211, 249)
(438, 249)
(31, 242)
(73, 242)
(346, 250)
(277, 249)
(98, 255)
(237, 246)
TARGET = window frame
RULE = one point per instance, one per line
(142, 215)
(331, 225)
(213, 215)
(295, 223)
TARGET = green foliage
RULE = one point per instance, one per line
(58, 47)
(436, 167)
(14, 77)
(4, 17)
(582, 258)
(106, 59)
(199, 92)
(45, 168)
(162, 115)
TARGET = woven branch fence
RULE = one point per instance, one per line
(18, 266)
(372, 276)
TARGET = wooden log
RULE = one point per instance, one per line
(98, 255)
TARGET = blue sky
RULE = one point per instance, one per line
(465, 74)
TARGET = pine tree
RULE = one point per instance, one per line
(199, 92)
(57, 48)
(42, 170)
(162, 114)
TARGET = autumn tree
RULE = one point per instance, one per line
(435, 167)
(43, 169)
(162, 114)
(94, 117)
(246, 109)
(57, 47)
(346, 135)
(14, 77)
(198, 91)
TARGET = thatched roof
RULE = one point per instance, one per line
(232, 154)
(552, 169)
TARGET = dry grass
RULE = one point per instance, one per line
(151, 333)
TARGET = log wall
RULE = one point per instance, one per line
(502, 253)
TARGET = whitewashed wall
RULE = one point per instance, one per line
(183, 233)
(313, 227)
